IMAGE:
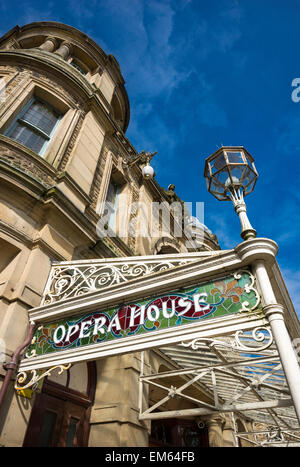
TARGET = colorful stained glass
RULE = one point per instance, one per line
(222, 297)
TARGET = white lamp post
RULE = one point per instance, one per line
(231, 175)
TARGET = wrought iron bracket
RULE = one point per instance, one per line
(24, 380)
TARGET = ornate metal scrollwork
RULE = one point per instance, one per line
(259, 334)
(67, 281)
(25, 381)
(248, 288)
(195, 344)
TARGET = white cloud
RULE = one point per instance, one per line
(144, 49)
(44, 12)
(292, 281)
(286, 213)
(219, 35)
(225, 224)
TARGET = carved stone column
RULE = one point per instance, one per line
(228, 434)
(49, 45)
(64, 50)
(114, 417)
(215, 430)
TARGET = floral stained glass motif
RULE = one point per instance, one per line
(223, 297)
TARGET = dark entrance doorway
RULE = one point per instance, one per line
(178, 433)
(60, 416)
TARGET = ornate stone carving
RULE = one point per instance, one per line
(70, 146)
(96, 185)
(170, 194)
(14, 83)
(133, 219)
(28, 165)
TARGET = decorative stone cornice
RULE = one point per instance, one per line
(39, 60)
(26, 161)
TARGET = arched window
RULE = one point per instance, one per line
(166, 245)
(34, 126)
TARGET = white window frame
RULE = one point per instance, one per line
(34, 128)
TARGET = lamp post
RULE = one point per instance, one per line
(231, 175)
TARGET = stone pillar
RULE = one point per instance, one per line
(228, 434)
(215, 430)
(64, 50)
(114, 418)
(49, 45)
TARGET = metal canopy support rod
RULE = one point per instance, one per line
(141, 383)
(263, 405)
(274, 313)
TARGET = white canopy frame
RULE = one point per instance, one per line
(241, 373)
(218, 350)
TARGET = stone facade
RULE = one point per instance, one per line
(50, 206)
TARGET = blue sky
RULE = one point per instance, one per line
(201, 74)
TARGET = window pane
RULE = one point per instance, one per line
(71, 432)
(41, 116)
(47, 428)
(111, 193)
(28, 137)
(78, 67)
(111, 204)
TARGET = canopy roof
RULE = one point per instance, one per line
(239, 373)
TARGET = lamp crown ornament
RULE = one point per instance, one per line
(231, 175)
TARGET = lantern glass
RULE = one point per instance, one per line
(230, 168)
(250, 181)
(237, 173)
(216, 189)
(235, 157)
(222, 176)
(249, 176)
(218, 163)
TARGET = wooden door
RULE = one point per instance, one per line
(60, 415)
(56, 422)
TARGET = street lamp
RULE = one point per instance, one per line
(147, 170)
(231, 175)
(143, 158)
